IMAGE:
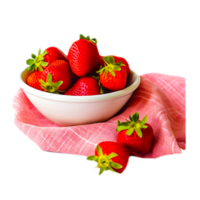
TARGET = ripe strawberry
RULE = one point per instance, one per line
(135, 134)
(111, 156)
(113, 75)
(57, 77)
(124, 60)
(83, 56)
(33, 80)
(50, 55)
(84, 86)
(54, 54)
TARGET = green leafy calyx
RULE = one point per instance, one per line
(81, 35)
(49, 86)
(110, 66)
(134, 124)
(105, 161)
(37, 62)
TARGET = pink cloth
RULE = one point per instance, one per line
(161, 97)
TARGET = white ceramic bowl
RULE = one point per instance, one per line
(67, 110)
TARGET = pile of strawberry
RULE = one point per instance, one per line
(82, 72)
(134, 135)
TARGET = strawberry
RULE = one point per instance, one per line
(111, 156)
(33, 80)
(136, 135)
(113, 75)
(54, 54)
(84, 86)
(56, 77)
(44, 59)
(83, 56)
(124, 60)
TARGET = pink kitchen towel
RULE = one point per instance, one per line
(160, 97)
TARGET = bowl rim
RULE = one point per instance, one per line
(91, 98)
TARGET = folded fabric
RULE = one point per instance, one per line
(160, 97)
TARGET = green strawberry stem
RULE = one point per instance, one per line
(111, 66)
(105, 161)
(51, 87)
(134, 124)
(36, 62)
(81, 35)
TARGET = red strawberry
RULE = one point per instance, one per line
(84, 86)
(33, 80)
(124, 60)
(54, 54)
(136, 135)
(83, 56)
(113, 75)
(50, 55)
(57, 77)
(111, 156)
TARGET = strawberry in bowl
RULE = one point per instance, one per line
(85, 86)
(57, 77)
(42, 60)
(83, 56)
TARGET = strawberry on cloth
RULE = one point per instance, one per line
(160, 97)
